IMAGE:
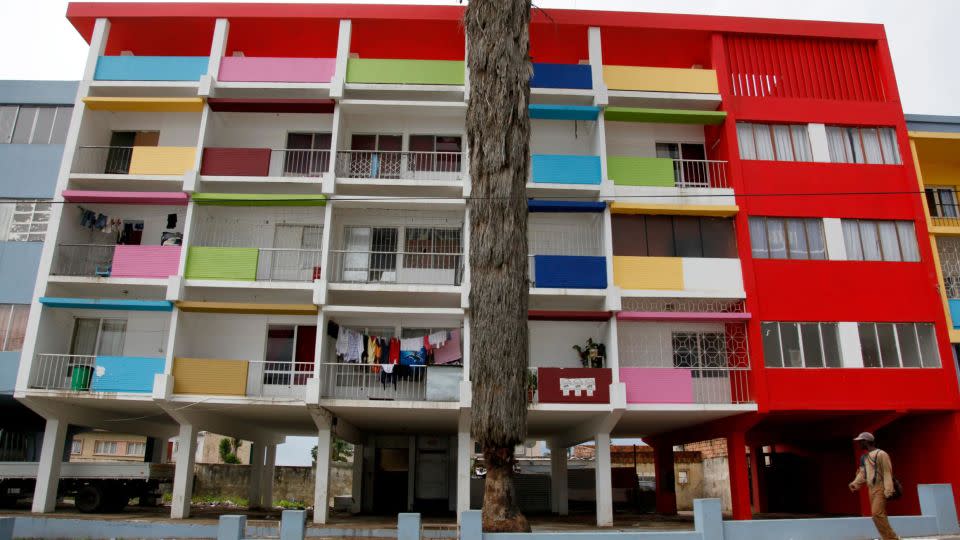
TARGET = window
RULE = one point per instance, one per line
(375, 156)
(24, 221)
(34, 124)
(76, 447)
(371, 253)
(689, 163)
(863, 145)
(290, 354)
(774, 142)
(136, 449)
(909, 345)
(942, 202)
(787, 238)
(98, 337)
(435, 153)
(949, 249)
(873, 240)
(804, 344)
(13, 325)
(673, 236)
(106, 448)
(307, 154)
(434, 244)
(704, 352)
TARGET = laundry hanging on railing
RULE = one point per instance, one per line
(440, 347)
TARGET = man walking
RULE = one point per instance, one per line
(877, 473)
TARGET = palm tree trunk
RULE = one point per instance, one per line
(498, 134)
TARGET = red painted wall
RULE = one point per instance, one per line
(287, 38)
(167, 37)
(548, 384)
(559, 44)
(416, 40)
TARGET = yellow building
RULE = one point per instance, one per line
(935, 143)
(107, 446)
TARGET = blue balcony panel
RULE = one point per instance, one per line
(571, 76)
(564, 112)
(570, 272)
(125, 373)
(954, 313)
(579, 207)
(151, 68)
(107, 304)
(566, 169)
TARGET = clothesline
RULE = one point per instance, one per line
(440, 347)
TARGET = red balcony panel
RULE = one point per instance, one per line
(235, 162)
(853, 389)
(555, 385)
(846, 291)
(869, 186)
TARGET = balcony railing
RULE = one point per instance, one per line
(287, 162)
(666, 172)
(279, 379)
(103, 160)
(253, 264)
(399, 165)
(399, 267)
(282, 264)
(402, 383)
(699, 173)
(145, 160)
(62, 372)
(83, 260)
(301, 162)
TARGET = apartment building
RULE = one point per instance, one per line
(265, 232)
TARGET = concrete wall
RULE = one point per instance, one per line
(716, 482)
(18, 270)
(289, 483)
(29, 170)
(38, 92)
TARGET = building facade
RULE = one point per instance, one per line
(265, 234)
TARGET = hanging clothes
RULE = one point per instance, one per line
(333, 330)
(394, 351)
(411, 344)
(371, 350)
(437, 339)
(450, 351)
(343, 341)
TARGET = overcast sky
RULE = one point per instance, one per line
(38, 43)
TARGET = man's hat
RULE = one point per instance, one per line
(865, 436)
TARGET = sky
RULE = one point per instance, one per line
(39, 43)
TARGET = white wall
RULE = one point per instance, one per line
(833, 232)
(176, 129)
(551, 342)
(232, 226)
(852, 356)
(563, 137)
(650, 344)
(640, 139)
(262, 130)
(713, 275)
(154, 222)
(146, 331)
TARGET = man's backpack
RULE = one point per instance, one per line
(897, 484)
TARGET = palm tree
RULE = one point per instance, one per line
(498, 133)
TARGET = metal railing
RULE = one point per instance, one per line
(83, 260)
(62, 372)
(401, 267)
(700, 173)
(103, 160)
(15, 445)
(300, 162)
(372, 381)
(399, 165)
(284, 379)
(288, 264)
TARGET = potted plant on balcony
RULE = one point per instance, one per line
(592, 355)
(531, 385)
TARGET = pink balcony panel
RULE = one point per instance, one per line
(657, 385)
(278, 70)
(145, 261)
(170, 198)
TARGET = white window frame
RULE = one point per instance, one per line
(803, 356)
(896, 342)
(883, 256)
(100, 445)
(791, 129)
(786, 236)
(846, 135)
(141, 446)
(76, 447)
(6, 335)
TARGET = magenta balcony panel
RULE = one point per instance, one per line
(657, 385)
(170, 198)
(235, 162)
(276, 70)
(145, 261)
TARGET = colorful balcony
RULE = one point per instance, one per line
(135, 160)
(105, 261)
(417, 166)
(565, 239)
(954, 305)
(573, 385)
(655, 79)
(212, 377)
(665, 172)
(694, 275)
(264, 162)
(568, 76)
(96, 374)
(276, 70)
(423, 72)
(151, 68)
(540, 111)
(565, 169)
(560, 372)
(405, 383)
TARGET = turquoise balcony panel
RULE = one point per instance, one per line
(955, 313)
(565, 169)
(151, 68)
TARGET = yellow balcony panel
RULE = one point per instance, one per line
(648, 273)
(144, 104)
(162, 160)
(719, 210)
(207, 376)
(654, 79)
(245, 308)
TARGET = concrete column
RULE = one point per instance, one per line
(343, 55)
(320, 500)
(604, 483)
(758, 479)
(356, 490)
(158, 449)
(464, 451)
(411, 471)
(98, 44)
(48, 470)
(266, 476)
(257, 456)
(596, 66)
(666, 489)
(183, 475)
(739, 477)
(218, 47)
(558, 480)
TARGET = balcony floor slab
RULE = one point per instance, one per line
(650, 419)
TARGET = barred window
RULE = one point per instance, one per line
(703, 352)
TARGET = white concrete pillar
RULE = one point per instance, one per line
(218, 48)
(819, 145)
(464, 452)
(558, 480)
(603, 483)
(356, 490)
(322, 485)
(183, 474)
(266, 476)
(48, 470)
(343, 56)
(98, 44)
(258, 453)
(596, 66)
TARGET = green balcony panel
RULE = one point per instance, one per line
(664, 116)
(258, 199)
(376, 71)
(640, 171)
(233, 264)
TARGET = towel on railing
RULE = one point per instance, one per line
(450, 351)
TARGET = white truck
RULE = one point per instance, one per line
(95, 487)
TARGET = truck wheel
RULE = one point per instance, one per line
(89, 499)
